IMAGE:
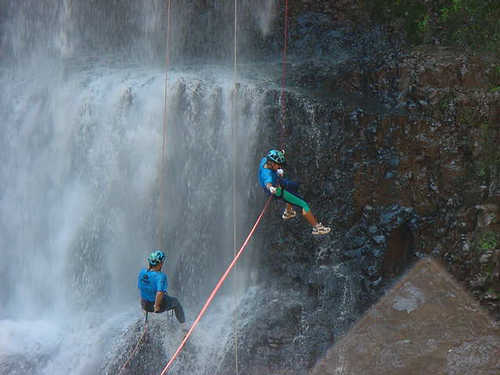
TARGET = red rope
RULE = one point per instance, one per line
(283, 78)
(216, 289)
(132, 353)
(237, 256)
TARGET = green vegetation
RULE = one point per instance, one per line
(488, 164)
(495, 79)
(491, 291)
(488, 241)
(463, 23)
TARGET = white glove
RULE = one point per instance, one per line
(280, 172)
(272, 189)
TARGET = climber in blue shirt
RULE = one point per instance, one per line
(153, 285)
(272, 181)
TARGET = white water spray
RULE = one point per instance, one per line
(79, 203)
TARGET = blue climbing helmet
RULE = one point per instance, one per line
(156, 257)
(277, 156)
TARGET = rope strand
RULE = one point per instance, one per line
(161, 220)
(283, 78)
(234, 128)
(217, 287)
(163, 161)
(133, 352)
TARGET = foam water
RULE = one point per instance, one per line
(79, 204)
(81, 111)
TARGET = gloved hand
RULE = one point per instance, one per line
(272, 189)
(280, 172)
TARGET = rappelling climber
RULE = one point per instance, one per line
(153, 285)
(272, 180)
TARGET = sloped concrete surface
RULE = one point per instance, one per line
(427, 324)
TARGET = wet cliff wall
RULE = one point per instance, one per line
(396, 145)
(419, 102)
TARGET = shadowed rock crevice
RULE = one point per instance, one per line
(400, 245)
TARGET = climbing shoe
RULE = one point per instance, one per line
(289, 214)
(320, 229)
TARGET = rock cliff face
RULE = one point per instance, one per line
(437, 153)
(434, 147)
(398, 150)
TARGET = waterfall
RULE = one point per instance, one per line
(79, 202)
(82, 115)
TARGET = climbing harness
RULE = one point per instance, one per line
(217, 287)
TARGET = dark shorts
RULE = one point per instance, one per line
(291, 187)
(167, 303)
(288, 185)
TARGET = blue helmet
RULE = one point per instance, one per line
(276, 156)
(156, 257)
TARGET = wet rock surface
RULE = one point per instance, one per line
(139, 355)
(395, 149)
(425, 324)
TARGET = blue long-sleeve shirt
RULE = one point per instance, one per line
(266, 175)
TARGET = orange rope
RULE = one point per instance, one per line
(234, 127)
(132, 353)
(216, 289)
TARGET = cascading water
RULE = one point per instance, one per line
(82, 115)
(79, 205)
(79, 202)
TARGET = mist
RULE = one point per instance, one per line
(82, 110)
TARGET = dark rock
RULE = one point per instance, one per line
(400, 245)
(379, 239)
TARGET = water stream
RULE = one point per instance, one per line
(82, 113)
(79, 202)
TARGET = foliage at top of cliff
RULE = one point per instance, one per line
(472, 24)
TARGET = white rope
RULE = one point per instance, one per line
(235, 66)
(234, 124)
(163, 162)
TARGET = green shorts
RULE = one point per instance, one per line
(292, 199)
